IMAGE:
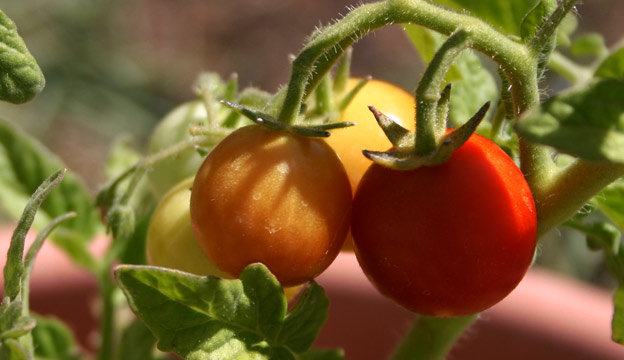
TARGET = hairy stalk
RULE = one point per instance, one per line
(546, 32)
(514, 58)
(573, 186)
(429, 127)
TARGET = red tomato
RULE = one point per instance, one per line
(271, 197)
(446, 240)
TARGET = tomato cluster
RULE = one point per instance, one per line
(443, 240)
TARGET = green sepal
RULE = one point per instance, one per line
(268, 121)
(400, 137)
(405, 158)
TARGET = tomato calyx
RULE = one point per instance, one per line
(403, 155)
(268, 121)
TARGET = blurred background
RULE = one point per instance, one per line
(116, 67)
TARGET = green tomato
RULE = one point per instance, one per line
(173, 129)
(170, 239)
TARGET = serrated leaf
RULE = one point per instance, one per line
(24, 164)
(207, 317)
(304, 322)
(22, 78)
(532, 20)
(473, 84)
(617, 324)
(54, 340)
(587, 123)
(612, 66)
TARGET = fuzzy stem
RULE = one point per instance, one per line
(569, 189)
(545, 33)
(513, 57)
(428, 92)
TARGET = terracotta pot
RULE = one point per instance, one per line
(548, 316)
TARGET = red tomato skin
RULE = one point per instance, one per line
(447, 240)
(272, 197)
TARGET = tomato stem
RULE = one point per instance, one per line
(436, 335)
(545, 34)
(570, 188)
(429, 127)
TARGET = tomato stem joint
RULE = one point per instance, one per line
(403, 155)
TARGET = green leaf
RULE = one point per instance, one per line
(611, 202)
(587, 123)
(432, 338)
(137, 342)
(473, 84)
(22, 78)
(566, 28)
(24, 164)
(306, 319)
(207, 317)
(612, 66)
(532, 21)
(505, 16)
(589, 44)
(11, 349)
(601, 235)
(54, 340)
(617, 324)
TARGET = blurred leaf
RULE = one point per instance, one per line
(532, 21)
(121, 157)
(134, 251)
(611, 202)
(505, 16)
(54, 340)
(566, 28)
(612, 66)
(137, 342)
(24, 164)
(21, 77)
(587, 122)
(589, 44)
(473, 84)
(600, 235)
(205, 317)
